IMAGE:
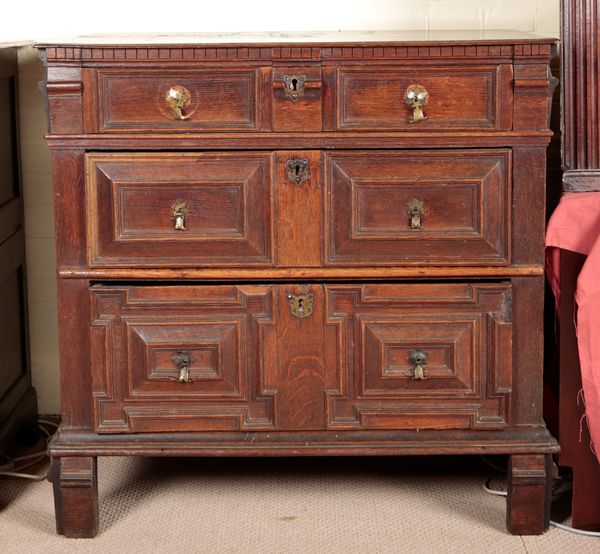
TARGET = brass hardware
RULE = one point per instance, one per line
(293, 85)
(180, 210)
(416, 97)
(183, 361)
(418, 358)
(415, 211)
(298, 170)
(301, 306)
(178, 98)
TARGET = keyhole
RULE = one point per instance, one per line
(297, 170)
(300, 304)
(294, 84)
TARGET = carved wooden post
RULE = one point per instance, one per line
(581, 93)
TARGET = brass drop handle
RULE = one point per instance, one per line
(415, 210)
(183, 360)
(180, 210)
(416, 97)
(418, 358)
(178, 98)
(301, 306)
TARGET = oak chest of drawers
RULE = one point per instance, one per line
(300, 246)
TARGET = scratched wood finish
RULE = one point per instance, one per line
(357, 140)
(374, 442)
(302, 273)
(261, 241)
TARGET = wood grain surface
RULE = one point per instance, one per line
(300, 289)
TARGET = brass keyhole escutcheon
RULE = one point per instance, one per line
(293, 85)
(416, 210)
(178, 98)
(180, 210)
(418, 359)
(298, 170)
(301, 306)
(416, 97)
(183, 360)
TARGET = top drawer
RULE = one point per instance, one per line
(255, 99)
(180, 100)
(428, 98)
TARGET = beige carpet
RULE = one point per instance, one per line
(334, 505)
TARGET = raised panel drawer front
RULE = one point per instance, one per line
(451, 98)
(210, 358)
(301, 357)
(181, 358)
(179, 209)
(176, 100)
(428, 356)
(418, 207)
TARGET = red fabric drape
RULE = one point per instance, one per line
(575, 226)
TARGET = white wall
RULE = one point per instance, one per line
(38, 20)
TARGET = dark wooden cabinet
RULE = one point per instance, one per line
(18, 404)
(308, 248)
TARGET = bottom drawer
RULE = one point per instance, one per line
(301, 357)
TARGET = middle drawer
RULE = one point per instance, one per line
(299, 208)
